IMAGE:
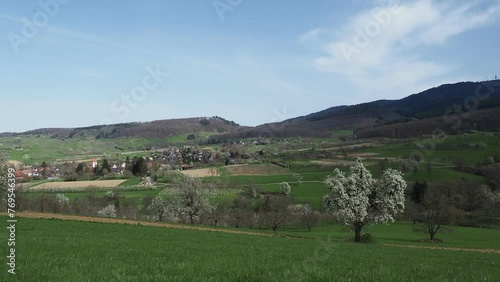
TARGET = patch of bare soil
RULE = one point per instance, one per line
(493, 251)
(203, 172)
(80, 184)
(15, 163)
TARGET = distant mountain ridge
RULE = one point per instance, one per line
(381, 118)
(432, 103)
(429, 103)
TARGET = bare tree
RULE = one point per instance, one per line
(81, 206)
(240, 213)
(44, 203)
(436, 211)
(218, 213)
(274, 211)
(305, 216)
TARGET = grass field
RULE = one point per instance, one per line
(449, 149)
(132, 181)
(402, 233)
(82, 251)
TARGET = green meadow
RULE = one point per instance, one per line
(54, 250)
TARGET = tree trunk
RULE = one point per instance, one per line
(357, 233)
(433, 231)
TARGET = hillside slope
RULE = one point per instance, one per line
(368, 117)
(154, 129)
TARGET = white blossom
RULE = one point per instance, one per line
(159, 208)
(62, 200)
(358, 199)
(190, 201)
(285, 188)
(108, 211)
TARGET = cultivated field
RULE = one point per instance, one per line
(79, 184)
(266, 169)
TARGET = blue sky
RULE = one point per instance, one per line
(251, 61)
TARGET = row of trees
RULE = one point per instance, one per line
(136, 166)
(189, 202)
(3, 184)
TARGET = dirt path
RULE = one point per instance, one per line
(131, 222)
(492, 251)
(352, 146)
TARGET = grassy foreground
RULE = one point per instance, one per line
(55, 250)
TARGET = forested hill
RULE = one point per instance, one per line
(429, 105)
(154, 129)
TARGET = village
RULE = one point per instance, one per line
(172, 158)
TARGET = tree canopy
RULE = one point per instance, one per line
(358, 199)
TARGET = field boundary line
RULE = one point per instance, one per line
(491, 251)
(134, 222)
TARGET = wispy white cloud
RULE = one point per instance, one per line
(379, 49)
(10, 18)
(459, 20)
(310, 36)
